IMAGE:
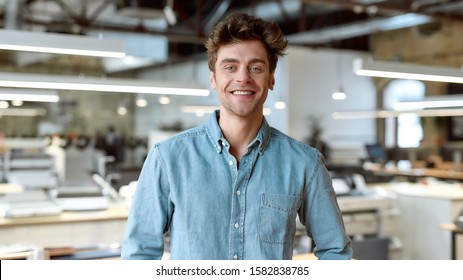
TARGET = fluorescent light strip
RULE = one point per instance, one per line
(393, 114)
(60, 44)
(397, 70)
(61, 51)
(22, 112)
(29, 95)
(200, 110)
(39, 81)
(444, 101)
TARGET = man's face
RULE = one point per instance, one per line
(242, 78)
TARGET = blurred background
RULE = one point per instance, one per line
(87, 87)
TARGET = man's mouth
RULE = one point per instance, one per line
(242, 92)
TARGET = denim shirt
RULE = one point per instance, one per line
(191, 186)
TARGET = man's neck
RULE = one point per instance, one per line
(239, 132)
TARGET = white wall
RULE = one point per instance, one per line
(312, 78)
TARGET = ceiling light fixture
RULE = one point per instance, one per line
(339, 93)
(441, 101)
(141, 101)
(169, 13)
(164, 100)
(195, 109)
(15, 94)
(17, 103)
(122, 111)
(398, 70)
(4, 104)
(201, 110)
(381, 114)
(60, 44)
(280, 105)
(22, 112)
(60, 82)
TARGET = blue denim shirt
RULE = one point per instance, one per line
(190, 185)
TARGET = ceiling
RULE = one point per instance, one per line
(328, 23)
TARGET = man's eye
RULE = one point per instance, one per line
(230, 67)
(255, 69)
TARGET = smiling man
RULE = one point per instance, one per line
(234, 187)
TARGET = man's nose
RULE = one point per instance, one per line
(243, 75)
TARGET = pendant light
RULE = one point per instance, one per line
(339, 93)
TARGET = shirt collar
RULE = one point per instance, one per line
(218, 140)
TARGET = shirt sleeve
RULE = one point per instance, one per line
(150, 212)
(322, 218)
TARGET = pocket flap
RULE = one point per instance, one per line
(280, 202)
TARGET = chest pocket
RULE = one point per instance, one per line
(277, 217)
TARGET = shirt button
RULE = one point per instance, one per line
(235, 257)
(238, 192)
(230, 162)
(237, 225)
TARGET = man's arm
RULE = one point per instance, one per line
(322, 218)
(150, 212)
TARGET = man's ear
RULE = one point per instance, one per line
(271, 82)
(212, 80)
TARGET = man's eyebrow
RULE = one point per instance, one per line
(229, 60)
(258, 60)
(234, 60)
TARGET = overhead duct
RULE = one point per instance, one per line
(358, 29)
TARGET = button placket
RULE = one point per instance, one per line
(239, 206)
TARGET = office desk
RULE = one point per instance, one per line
(16, 256)
(82, 228)
(454, 231)
(417, 172)
(423, 208)
(10, 188)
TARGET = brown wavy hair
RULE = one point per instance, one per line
(243, 27)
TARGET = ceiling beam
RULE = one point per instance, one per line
(357, 29)
(220, 9)
(387, 10)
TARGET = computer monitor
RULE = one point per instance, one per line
(449, 150)
(376, 153)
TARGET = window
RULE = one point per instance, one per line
(406, 131)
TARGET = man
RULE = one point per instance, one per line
(233, 188)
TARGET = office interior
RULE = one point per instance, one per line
(393, 144)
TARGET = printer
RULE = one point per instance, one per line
(30, 203)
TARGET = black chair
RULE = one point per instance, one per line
(375, 248)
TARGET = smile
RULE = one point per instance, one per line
(242, 92)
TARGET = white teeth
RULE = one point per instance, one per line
(242, 92)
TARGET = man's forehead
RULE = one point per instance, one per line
(244, 50)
